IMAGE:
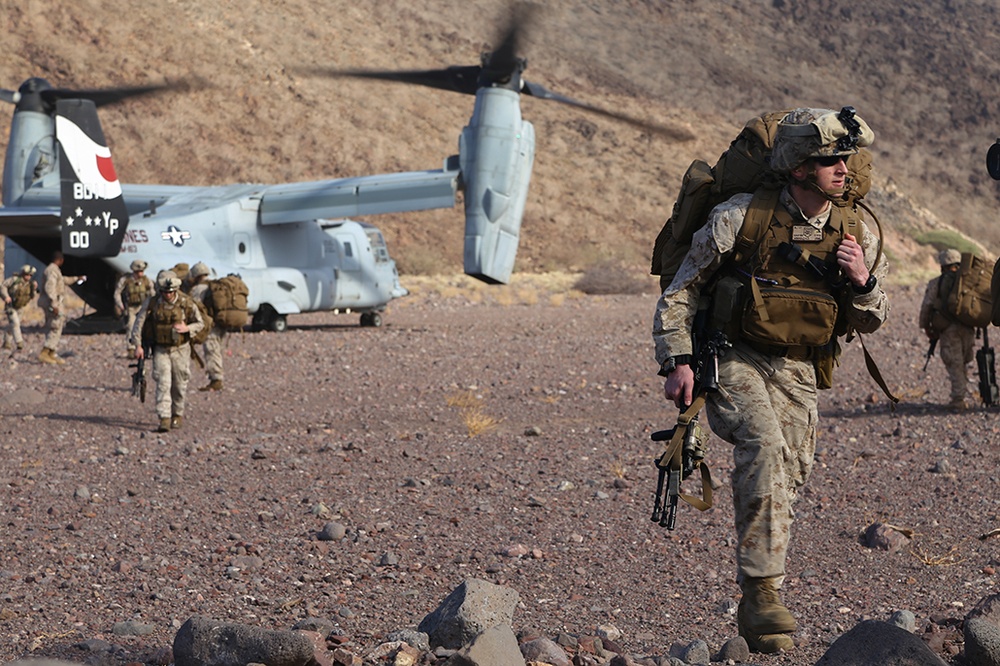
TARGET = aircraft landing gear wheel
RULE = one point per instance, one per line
(373, 319)
(268, 319)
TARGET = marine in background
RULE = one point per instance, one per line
(131, 292)
(165, 324)
(52, 301)
(17, 292)
(955, 340)
(213, 343)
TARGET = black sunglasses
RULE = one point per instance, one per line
(829, 160)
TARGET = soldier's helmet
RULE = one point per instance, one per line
(199, 269)
(138, 265)
(28, 269)
(168, 281)
(805, 133)
(949, 257)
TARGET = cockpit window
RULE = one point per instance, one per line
(379, 249)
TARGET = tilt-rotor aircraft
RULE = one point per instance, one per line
(293, 244)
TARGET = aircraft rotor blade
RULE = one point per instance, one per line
(38, 94)
(540, 92)
(453, 79)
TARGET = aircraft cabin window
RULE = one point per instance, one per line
(348, 251)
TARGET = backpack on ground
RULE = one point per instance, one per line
(969, 301)
(744, 167)
(228, 302)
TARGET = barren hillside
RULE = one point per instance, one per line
(921, 74)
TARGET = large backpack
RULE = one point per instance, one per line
(969, 301)
(201, 336)
(228, 302)
(744, 167)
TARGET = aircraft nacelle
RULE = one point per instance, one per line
(496, 154)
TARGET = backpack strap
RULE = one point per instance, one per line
(755, 223)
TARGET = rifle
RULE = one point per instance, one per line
(139, 378)
(930, 353)
(986, 361)
(685, 441)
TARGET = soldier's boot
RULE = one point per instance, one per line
(57, 358)
(20, 346)
(6, 343)
(176, 422)
(762, 619)
(214, 385)
(164, 425)
(47, 356)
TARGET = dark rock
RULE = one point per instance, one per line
(874, 642)
(204, 642)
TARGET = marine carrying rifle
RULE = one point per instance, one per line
(684, 450)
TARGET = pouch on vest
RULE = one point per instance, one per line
(790, 317)
(825, 359)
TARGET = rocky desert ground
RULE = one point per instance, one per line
(496, 433)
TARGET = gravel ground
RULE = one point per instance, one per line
(508, 442)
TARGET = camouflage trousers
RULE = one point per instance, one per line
(54, 324)
(130, 313)
(213, 353)
(956, 344)
(13, 328)
(171, 372)
(766, 408)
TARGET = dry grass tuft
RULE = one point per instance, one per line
(478, 422)
(612, 277)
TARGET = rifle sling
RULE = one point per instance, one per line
(671, 457)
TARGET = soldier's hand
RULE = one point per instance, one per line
(851, 259)
(679, 386)
(181, 327)
(139, 352)
(118, 312)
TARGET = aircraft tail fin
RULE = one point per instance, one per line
(94, 216)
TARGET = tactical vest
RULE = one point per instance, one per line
(781, 297)
(136, 289)
(160, 320)
(20, 292)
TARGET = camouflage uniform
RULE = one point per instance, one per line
(52, 302)
(213, 343)
(955, 339)
(767, 405)
(20, 289)
(171, 349)
(131, 290)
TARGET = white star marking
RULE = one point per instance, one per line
(175, 235)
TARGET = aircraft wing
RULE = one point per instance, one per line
(42, 222)
(365, 195)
